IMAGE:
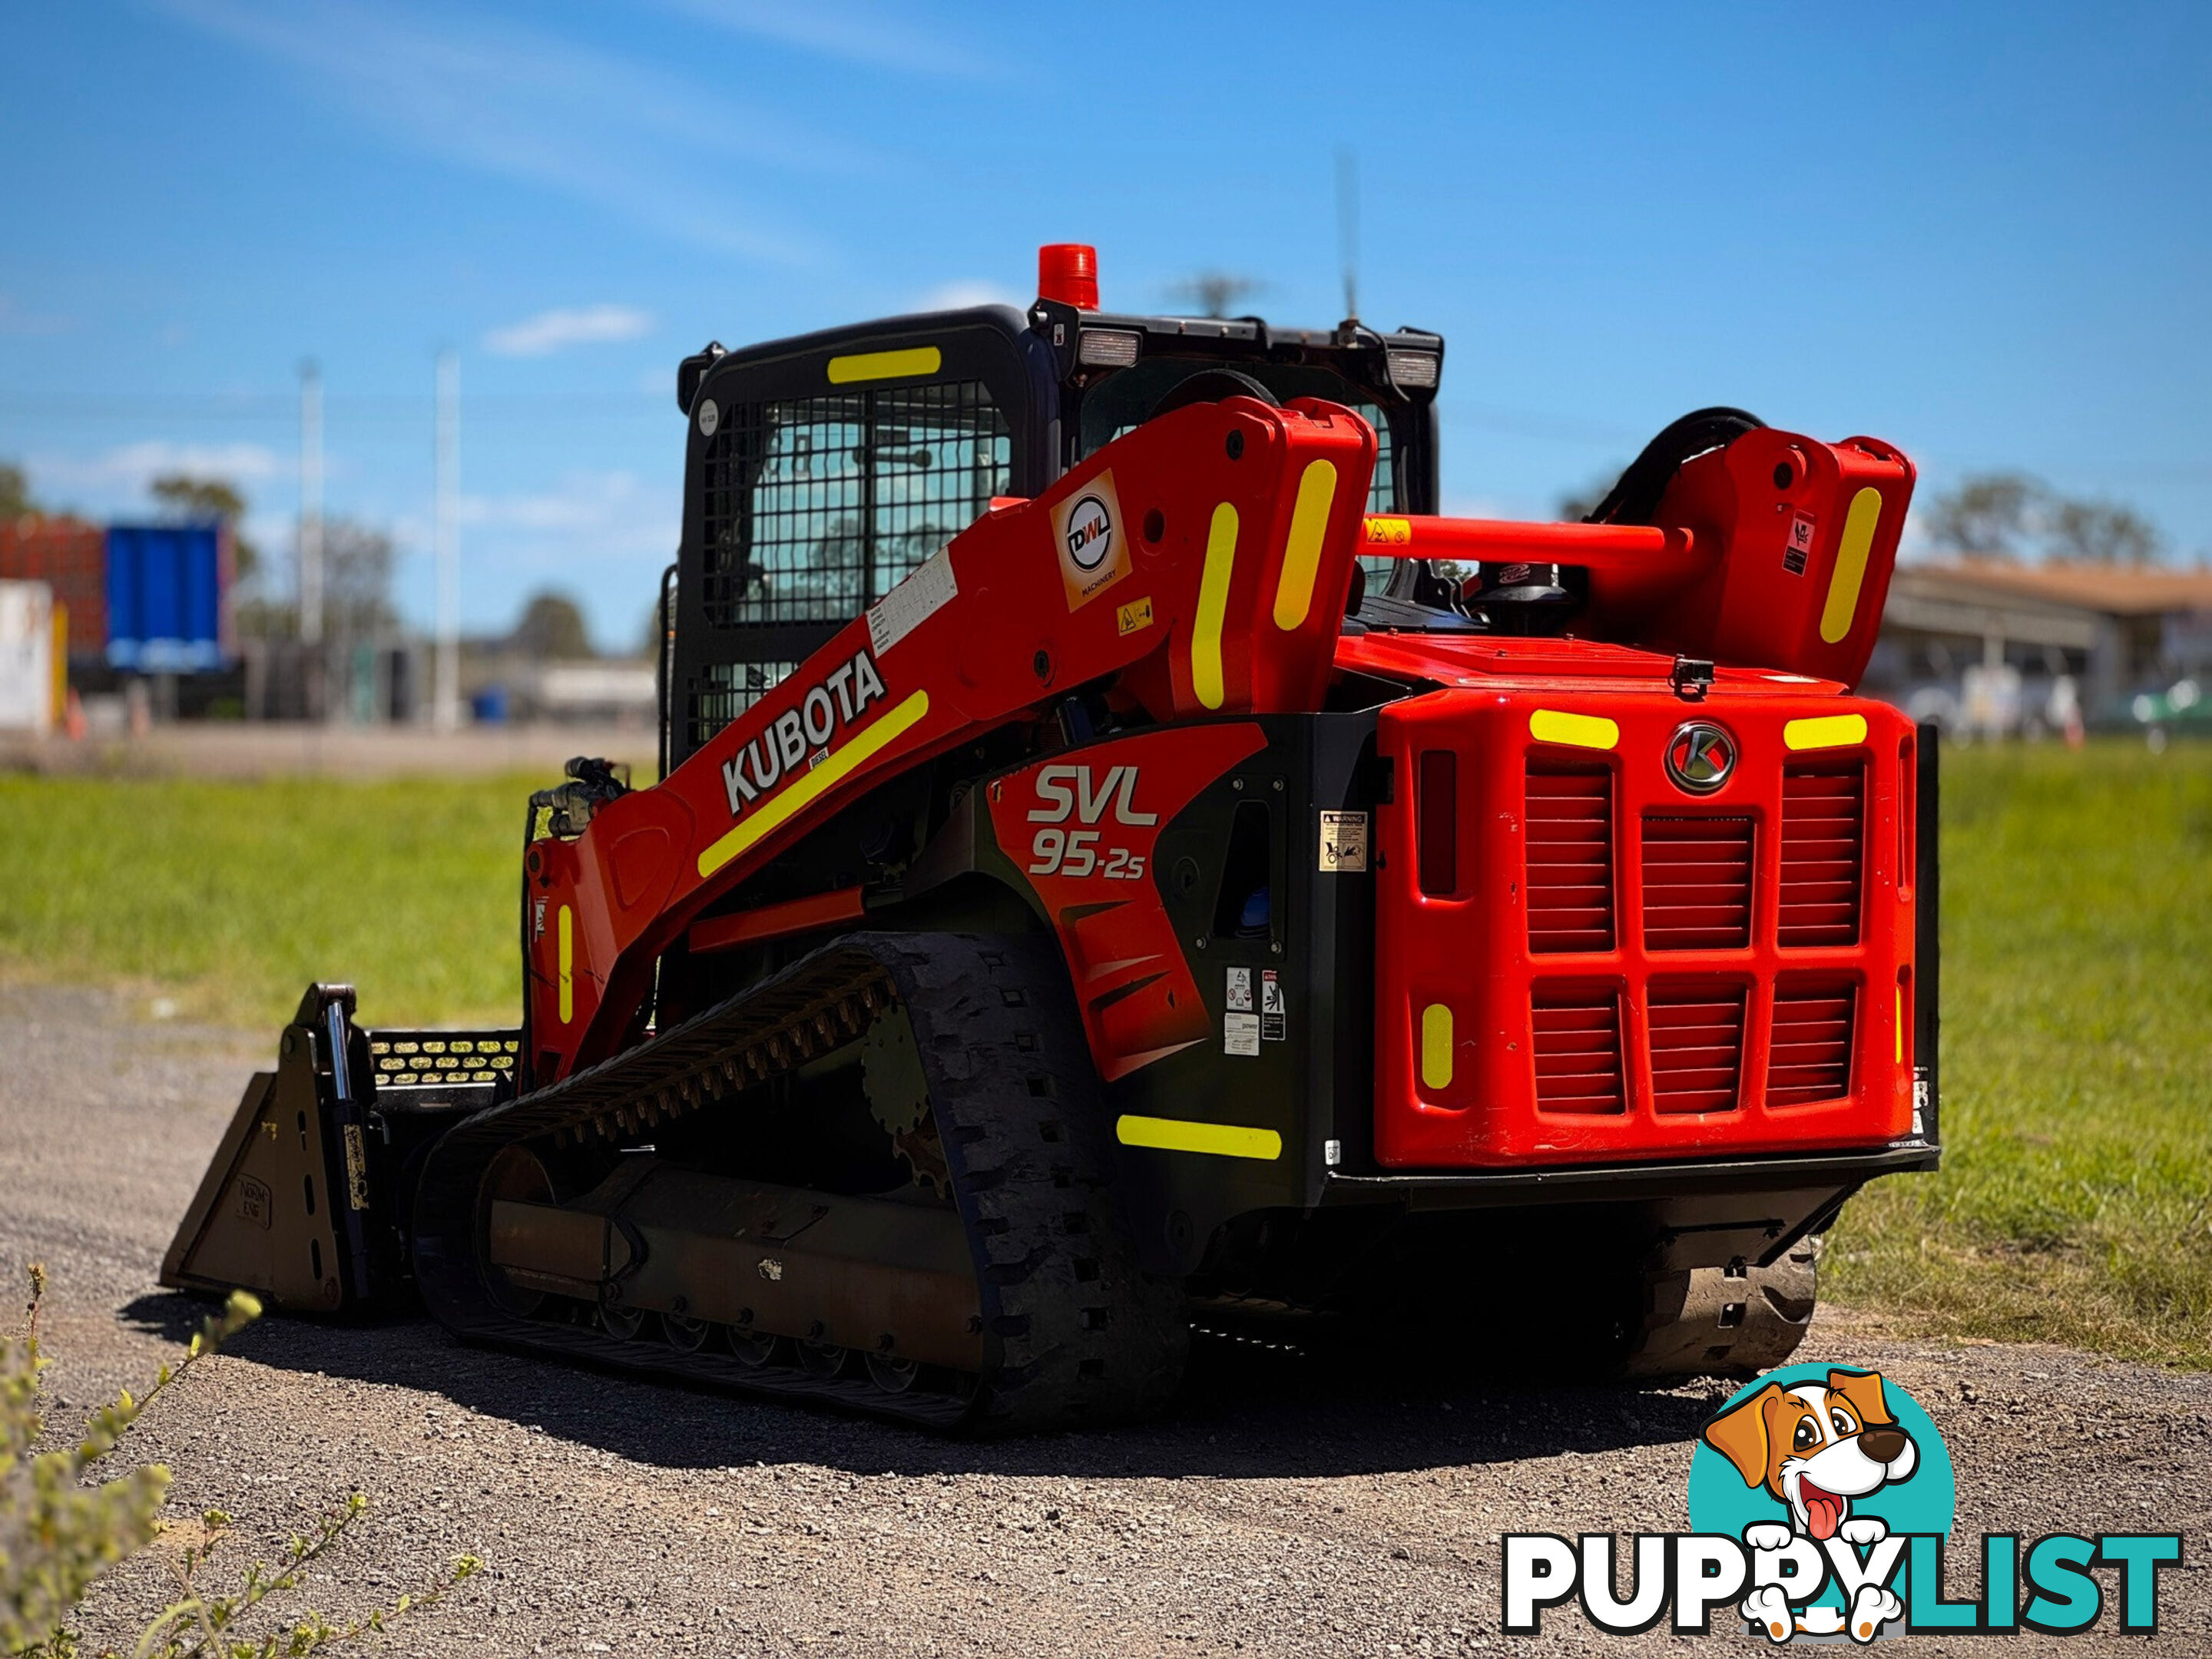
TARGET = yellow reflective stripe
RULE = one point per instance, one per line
(1850, 564)
(1436, 1047)
(1176, 1135)
(1213, 607)
(567, 932)
(885, 365)
(1302, 552)
(1582, 731)
(840, 764)
(1825, 731)
(1900, 1025)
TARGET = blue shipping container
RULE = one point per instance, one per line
(164, 593)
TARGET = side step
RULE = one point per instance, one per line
(303, 1202)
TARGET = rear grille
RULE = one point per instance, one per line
(1812, 1049)
(1823, 836)
(1697, 1048)
(1578, 1048)
(1570, 861)
(1697, 884)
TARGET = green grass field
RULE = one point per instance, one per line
(228, 898)
(2074, 1205)
(2076, 1200)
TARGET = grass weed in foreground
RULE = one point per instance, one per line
(230, 897)
(2074, 1204)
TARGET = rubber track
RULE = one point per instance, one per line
(1074, 1334)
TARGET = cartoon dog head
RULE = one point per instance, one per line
(1816, 1447)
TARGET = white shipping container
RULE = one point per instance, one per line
(26, 657)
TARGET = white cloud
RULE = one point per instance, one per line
(515, 102)
(858, 33)
(959, 295)
(556, 330)
(587, 515)
(601, 537)
(124, 471)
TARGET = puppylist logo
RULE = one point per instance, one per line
(1820, 1501)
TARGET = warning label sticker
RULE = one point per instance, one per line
(1274, 1026)
(1238, 996)
(928, 587)
(1800, 545)
(1343, 842)
(1240, 1034)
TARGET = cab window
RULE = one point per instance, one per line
(815, 508)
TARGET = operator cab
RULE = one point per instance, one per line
(822, 469)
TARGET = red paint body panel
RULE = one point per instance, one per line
(1763, 604)
(1016, 636)
(1082, 826)
(1605, 1046)
(781, 921)
(1470, 950)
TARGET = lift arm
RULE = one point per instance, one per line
(1203, 559)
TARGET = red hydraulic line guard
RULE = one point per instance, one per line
(1639, 550)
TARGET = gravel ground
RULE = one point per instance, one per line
(1282, 1511)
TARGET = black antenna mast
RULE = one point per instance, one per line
(1347, 227)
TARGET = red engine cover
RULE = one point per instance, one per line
(1614, 925)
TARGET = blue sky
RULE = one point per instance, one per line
(1978, 231)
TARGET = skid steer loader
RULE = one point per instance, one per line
(1121, 860)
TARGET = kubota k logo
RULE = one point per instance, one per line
(1700, 757)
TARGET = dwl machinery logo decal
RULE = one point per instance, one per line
(1820, 1503)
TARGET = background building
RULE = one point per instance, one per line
(1998, 647)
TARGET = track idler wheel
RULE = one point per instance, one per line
(1736, 1320)
(686, 1336)
(515, 1173)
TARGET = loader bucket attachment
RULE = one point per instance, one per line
(281, 1211)
(306, 1202)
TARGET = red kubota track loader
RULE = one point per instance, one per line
(1123, 860)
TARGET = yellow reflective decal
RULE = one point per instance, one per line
(1825, 731)
(885, 365)
(1850, 564)
(1436, 1047)
(1580, 731)
(1302, 552)
(1900, 1025)
(840, 765)
(568, 931)
(1175, 1134)
(1213, 607)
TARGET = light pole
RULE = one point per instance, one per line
(311, 504)
(446, 703)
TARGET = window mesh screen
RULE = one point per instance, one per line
(1381, 492)
(817, 507)
(725, 690)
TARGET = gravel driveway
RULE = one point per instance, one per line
(1283, 1509)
